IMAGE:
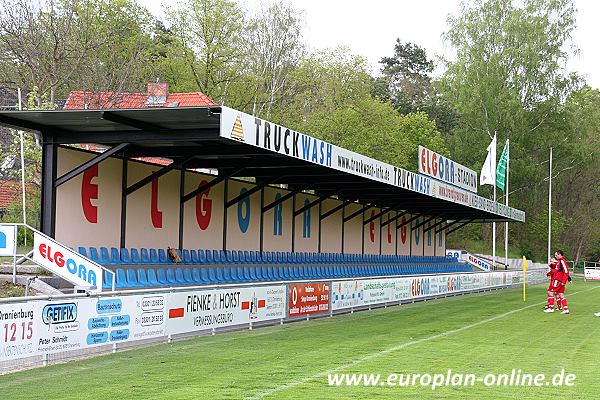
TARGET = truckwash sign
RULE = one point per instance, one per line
(241, 127)
(64, 262)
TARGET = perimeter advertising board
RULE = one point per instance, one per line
(308, 298)
(215, 308)
(364, 292)
(592, 274)
(81, 323)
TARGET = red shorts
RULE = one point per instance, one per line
(556, 287)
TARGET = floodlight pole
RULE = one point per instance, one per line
(550, 208)
(506, 223)
(22, 170)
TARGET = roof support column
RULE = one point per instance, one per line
(48, 197)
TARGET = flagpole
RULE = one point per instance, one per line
(494, 223)
(506, 194)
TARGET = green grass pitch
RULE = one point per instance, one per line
(482, 333)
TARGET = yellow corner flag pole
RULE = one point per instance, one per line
(524, 279)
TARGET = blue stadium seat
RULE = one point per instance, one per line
(135, 257)
(197, 276)
(202, 256)
(171, 279)
(142, 277)
(266, 274)
(94, 256)
(187, 276)
(106, 281)
(81, 250)
(162, 277)
(104, 256)
(194, 256)
(219, 274)
(121, 279)
(154, 257)
(132, 279)
(144, 256)
(227, 273)
(204, 275)
(162, 256)
(187, 257)
(115, 256)
(125, 258)
(212, 277)
(152, 279)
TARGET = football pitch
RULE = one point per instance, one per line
(488, 333)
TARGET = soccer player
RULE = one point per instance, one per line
(561, 277)
(551, 295)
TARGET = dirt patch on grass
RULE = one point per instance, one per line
(8, 289)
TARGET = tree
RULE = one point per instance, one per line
(509, 77)
(60, 45)
(275, 49)
(406, 76)
(406, 82)
(212, 35)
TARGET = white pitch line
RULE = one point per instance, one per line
(371, 356)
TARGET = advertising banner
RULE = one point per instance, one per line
(245, 128)
(308, 298)
(591, 274)
(80, 323)
(477, 262)
(18, 335)
(442, 168)
(66, 263)
(214, 308)
(363, 292)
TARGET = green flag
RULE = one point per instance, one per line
(501, 168)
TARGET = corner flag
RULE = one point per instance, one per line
(502, 166)
(488, 172)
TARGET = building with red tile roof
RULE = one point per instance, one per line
(10, 194)
(157, 96)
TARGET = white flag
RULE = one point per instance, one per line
(488, 172)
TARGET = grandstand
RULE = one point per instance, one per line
(275, 224)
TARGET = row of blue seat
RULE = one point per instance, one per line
(144, 256)
(132, 278)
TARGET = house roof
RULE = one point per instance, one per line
(10, 192)
(79, 100)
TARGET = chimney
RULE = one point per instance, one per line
(157, 92)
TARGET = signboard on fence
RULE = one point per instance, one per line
(214, 308)
(308, 298)
(591, 274)
(477, 262)
(8, 237)
(66, 263)
(81, 323)
(364, 292)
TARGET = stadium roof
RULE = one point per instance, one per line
(240, 145)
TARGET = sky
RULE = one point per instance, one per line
(371, 28)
